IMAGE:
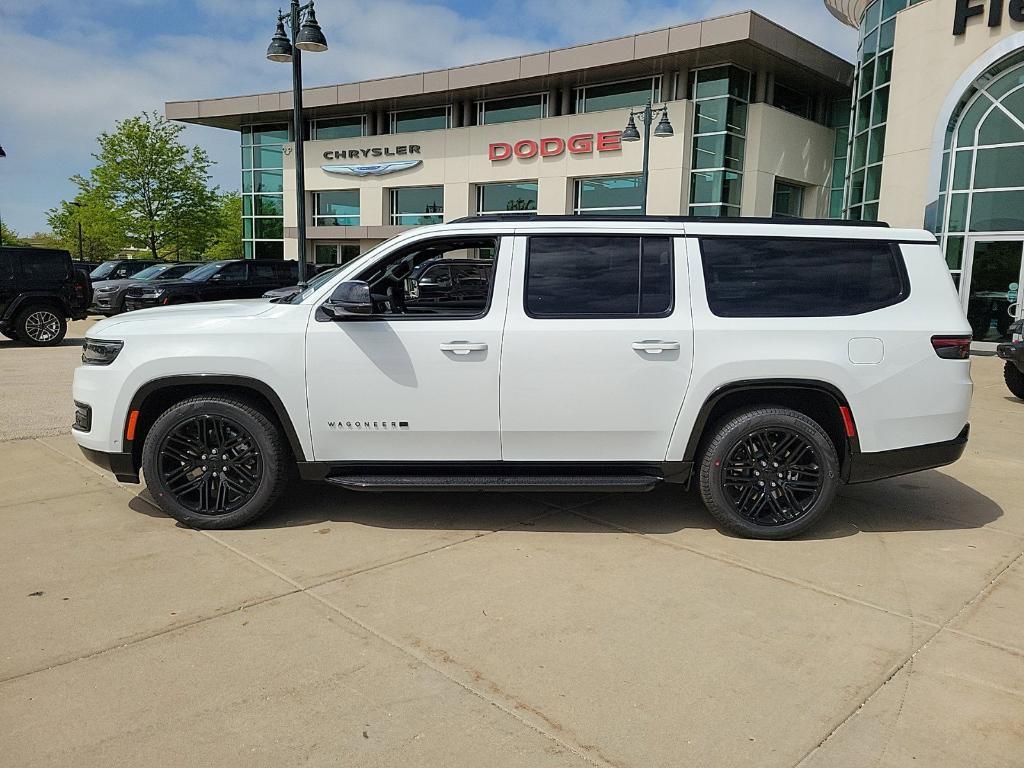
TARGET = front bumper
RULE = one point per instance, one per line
(133, 303)
(865, 467)
(121, 464)
(1013, 353)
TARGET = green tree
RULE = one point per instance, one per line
(102, 231)
(8, 236)
(227, 238)
(155, 188)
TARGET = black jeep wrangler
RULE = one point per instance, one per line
(39, 291)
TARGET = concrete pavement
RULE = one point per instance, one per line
(515, 630)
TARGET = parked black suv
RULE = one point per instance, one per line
(237, 279)
(119, 269)
(39, 291)
(108, 295)
(447, 283)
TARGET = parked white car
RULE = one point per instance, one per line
(766, 363)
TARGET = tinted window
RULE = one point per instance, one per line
(6, 266)
(44, 266)
(598, 276)
(265, 270)
(233, 272)
(751, 277)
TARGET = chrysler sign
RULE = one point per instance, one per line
(580, 144)
(371, 168)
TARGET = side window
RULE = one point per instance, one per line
(599, 276)
(286, 271)
(265, 270)
(44, 266)
(763, 277)
(233, 273)
(6, 266)
(417, 281)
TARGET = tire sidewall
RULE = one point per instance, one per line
(258, 426)
(1014, 380)
(739, 426)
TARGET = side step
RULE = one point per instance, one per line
(618, 483)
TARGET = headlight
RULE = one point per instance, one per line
(106, 289)
(151, 293)
(97, 352)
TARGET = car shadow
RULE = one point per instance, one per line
(928, 501)
(67, 341)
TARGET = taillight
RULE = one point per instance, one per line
(952, 347)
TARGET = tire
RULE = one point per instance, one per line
(1014, 379)
(41, 326)
(805, 473)
(205, 495)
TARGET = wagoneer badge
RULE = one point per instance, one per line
(373, 169)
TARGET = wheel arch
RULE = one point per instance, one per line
(816, 399)
(153, 397)
(29, 300)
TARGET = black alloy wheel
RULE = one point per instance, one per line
(772, 477)
(768, 473)
(210, 464)
(216, 461)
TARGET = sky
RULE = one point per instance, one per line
(69, 68)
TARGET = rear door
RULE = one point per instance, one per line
(8, 286)
(597, 350)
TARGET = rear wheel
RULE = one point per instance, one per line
(41, 326)
(215, 462)
(769, 473)
(1014, 379)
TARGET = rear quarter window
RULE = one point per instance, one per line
(777, 277)
(47, 267)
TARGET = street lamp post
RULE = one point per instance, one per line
(2, 154)
(306, 36)
(661, 131)
(78, 218)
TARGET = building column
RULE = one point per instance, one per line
(468, 118)
(382, 122)
(566, 108)
(554, 105)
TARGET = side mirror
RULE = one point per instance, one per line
(351, 298)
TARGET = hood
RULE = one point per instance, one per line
(181, 314)
(105, 285)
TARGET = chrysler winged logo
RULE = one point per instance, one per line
(371, 169)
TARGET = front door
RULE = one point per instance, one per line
(991, 297)
(411, 383)
(598, 348)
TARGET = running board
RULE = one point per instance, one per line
(619, 483)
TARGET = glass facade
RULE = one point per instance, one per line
(412, 206)
(620, 95)
(430, 119)
(517, 197)
(982, 184)
(608, 196)
(336, 208)
(839, 119)
(793, 100)
(509, 110)
(338, 128)
(788, 201)
(262, 190)
(720, 97)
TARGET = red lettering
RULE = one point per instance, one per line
(609, 141)
(525, 149)
(581, 144)
(499, 151)
(552, 147)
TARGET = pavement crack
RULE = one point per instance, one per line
(907, 663)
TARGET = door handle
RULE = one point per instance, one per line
(463, 347)
(656, 347)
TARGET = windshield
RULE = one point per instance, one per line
(150, 272)
(312, 286)
(103, 270)
(202, 273)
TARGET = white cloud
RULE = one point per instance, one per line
(59, 93)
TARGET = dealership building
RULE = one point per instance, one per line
(925, 128)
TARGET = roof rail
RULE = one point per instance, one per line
(507, 217)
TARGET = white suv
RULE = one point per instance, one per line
(767, 363)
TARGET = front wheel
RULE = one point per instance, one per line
(215, 462)
(769, 473)
(1014, 379)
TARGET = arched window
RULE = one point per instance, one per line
(982, 185)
